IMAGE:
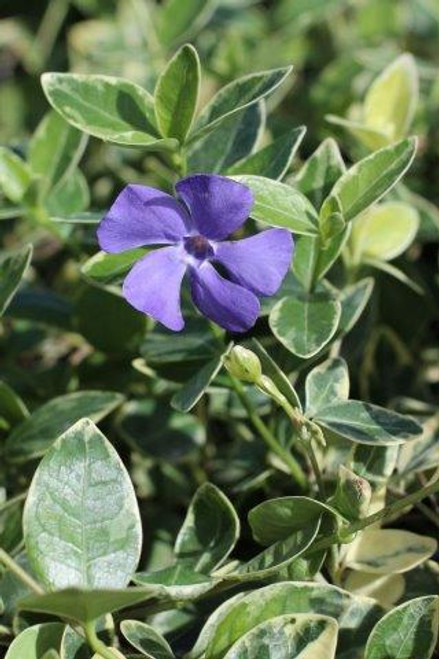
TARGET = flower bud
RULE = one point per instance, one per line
(243, 364)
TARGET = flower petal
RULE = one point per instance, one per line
(153, 286)
(259, 263)
(142, 216)
(228, 304)
(218, 205)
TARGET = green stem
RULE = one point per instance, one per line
(272, 443)
(95, 643)
(384, 513)
(11, 565)
(48, 31)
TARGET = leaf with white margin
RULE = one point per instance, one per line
(276, 519)
(210, 530)
(326, 384)
(176, 582)
(13, 266)
(280, 205)
(386, 589)
(291, 636)
(408, 632)
(81, 520)
(113, 109)
(353, 300)
(276, 557)
(146, 639)
(389, 551)
(305, 323)
(355, 615)
(35, 641)
(369, 179)
(366, 423)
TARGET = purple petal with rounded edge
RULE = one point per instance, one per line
(228, 304)
(218, 206)
(142, 216)
(153, 286)
(259, 263)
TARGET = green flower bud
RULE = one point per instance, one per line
(243, 364)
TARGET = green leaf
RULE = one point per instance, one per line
(179, 582)
(177, 20)
(69, 196)
(210, 626)
(35, 435)
(113, 109)
(237, 95)
(394, 272)
(383, 232)
(306, 323)
(369, 179)
(320, 172)
(107, 269)
(210, 530)
(81, 521)
(35, 641)
(146, 639)
(301, 636)
(355, 615)
(74, 645)
(12, 408)
(389, 551)
(155, 430)
(15, 175)
(13, 265)
(353, 301)
(176, 94)
(391, 100)
(275, 373)
(229, 141)
(409, 631)
(107, 321)
(367, 424)
(280, 205)
(326, 384)
(86, 605)
(276, 519)
(274, 160)
(191, 392)
(276, 557)
(352, 495)
(314, 257)
(55, 149)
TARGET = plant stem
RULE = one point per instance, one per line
(13, 566)
(47, 32)
(95, 643)
(384, 513)
(271, 441)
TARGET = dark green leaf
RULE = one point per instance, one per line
(13, 265)
(176, 94)
(34, 436)
(210, 530)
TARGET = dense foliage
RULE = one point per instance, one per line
(211, 494)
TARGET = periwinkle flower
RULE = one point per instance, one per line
(209, 209)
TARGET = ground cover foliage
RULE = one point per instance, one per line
(208, 494)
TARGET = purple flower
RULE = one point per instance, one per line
(210, 208)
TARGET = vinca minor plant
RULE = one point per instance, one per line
(215, 445)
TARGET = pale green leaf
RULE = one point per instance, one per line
(35, 641)
(81, 521)
(15, 175)
(326, 384)
(409, 631)
(146, 639)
